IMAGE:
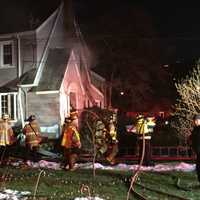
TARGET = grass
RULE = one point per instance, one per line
(66, 185)
(110, 185)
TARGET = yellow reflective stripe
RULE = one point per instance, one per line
(77, 136)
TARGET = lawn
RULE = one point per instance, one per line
(109, 185)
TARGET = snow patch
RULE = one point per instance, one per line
(8, 194)
(159, 167)
(88, 198)
(182, 166)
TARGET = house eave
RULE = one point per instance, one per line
(48, 92)
(98, 91)
(11, 35)
(97, 75)
(41, 65)
(47, 20)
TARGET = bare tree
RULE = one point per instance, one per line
(188, 103)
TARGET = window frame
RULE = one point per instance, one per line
(2, 43)
(14, 119)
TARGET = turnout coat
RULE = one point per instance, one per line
(6, 133)
(71, 138)
(32, 133)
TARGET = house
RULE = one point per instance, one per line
(45, 68)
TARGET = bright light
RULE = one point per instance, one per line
(122, 93)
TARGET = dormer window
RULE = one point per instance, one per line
(6, 54)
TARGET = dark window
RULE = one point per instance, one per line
(7, 54)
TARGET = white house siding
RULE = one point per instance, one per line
(59, 36)
(46, 107)
(8, 73)
(42, 34)
(28, 56)
(28, 51)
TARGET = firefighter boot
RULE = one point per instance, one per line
(72, 161)
(112, 154)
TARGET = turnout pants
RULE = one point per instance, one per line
(147, 154)
(71, 156)
(198, 166)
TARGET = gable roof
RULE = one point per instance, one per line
(24, 15)
(52, 75)
(10, 86)
(54, 70)
(28, 77)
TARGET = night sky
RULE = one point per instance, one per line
(130, 41)
(135, 40)
(170, 18)
(160, 19)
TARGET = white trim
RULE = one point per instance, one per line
(12, 35)
(7, 67)
(9, 106)
(15, 106)
(47, 20)
(84, 49)
(71, 58)
(19, 73)
(97, 90)
(20, 106)
(41, 65)
(27, 85)
(78, 72)
(6, 93)
(2, 43)
(48, 92)
(97, 76)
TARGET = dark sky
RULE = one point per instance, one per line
(176, 23)
(131, 39)
(16, 14)
(169, 17)
(138, 38)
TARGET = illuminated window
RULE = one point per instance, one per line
(72, 96)
(8, 105)
(6, 53)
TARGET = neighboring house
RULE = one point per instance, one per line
(45, 70)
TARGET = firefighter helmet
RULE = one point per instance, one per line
(5, 116)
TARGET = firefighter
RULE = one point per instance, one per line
(100, 138)
(144, 128)
(32, 138)
(66, 123)
(71, 141)
(112, 142)
(6, 138)
(195, 139)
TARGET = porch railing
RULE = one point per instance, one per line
(162, 153)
